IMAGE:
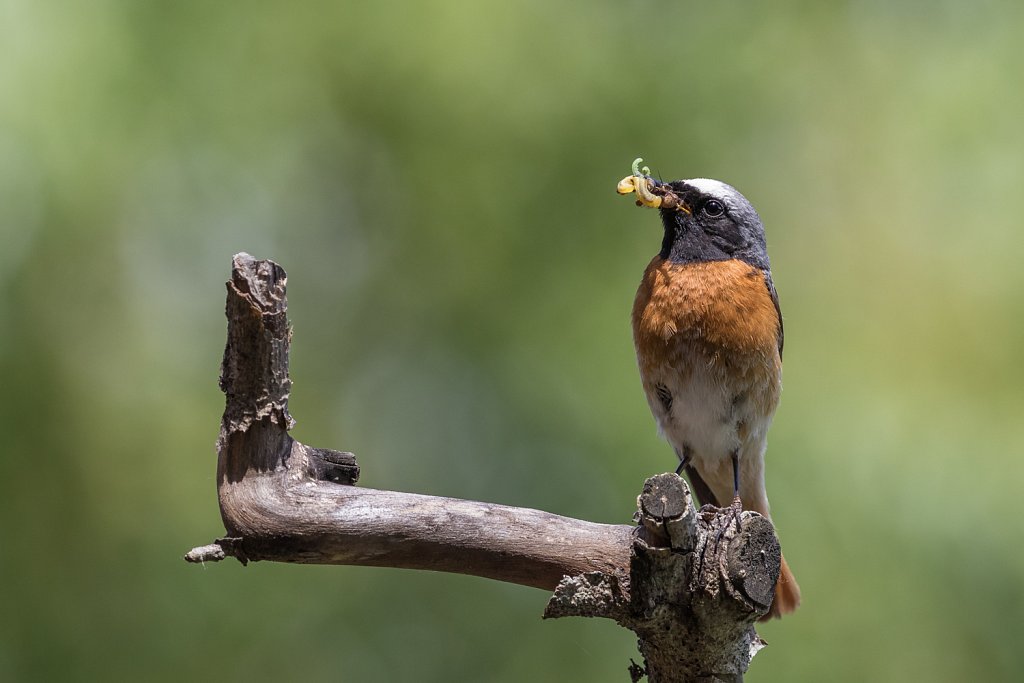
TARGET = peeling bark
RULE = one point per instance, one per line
(690, 583)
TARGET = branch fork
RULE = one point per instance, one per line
(690, 583)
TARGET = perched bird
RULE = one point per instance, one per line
(708, 334)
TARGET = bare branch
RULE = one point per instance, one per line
(688, 582)
(697, 584)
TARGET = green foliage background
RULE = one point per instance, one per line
(437, 178)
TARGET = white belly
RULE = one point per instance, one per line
(710, 417)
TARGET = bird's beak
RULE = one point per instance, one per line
(650, 192)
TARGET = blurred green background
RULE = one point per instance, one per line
(438, 180)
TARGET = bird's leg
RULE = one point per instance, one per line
(737, 504)
(736, 508)
(684, 459)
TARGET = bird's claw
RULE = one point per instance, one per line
(733, 513)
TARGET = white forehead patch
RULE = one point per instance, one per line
(718, 190)
(740, 210)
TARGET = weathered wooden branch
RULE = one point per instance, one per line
(690, 583)
(696, 585)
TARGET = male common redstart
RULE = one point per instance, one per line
(708, 334)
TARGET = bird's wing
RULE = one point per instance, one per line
(778, 310)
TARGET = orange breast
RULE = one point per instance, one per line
(720, 309)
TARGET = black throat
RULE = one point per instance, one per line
(686, 242)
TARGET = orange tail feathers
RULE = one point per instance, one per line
(787, 594)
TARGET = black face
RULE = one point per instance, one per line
(722, 225)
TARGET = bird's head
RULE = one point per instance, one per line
(704, 220)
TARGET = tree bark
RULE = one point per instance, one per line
(689, 583)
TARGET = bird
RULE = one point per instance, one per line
(708, 333)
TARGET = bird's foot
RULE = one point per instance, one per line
(733, 513)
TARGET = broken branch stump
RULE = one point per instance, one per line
(690, 583)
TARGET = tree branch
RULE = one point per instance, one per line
(686, 581)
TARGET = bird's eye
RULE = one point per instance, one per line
(713, 208)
